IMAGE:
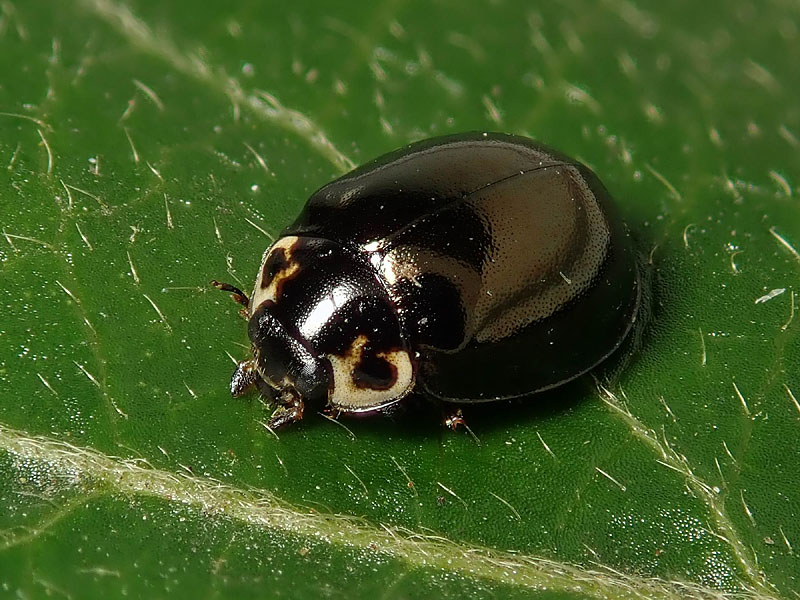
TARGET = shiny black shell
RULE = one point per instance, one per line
(506, 263)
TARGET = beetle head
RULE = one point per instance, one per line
(284, 361)
(323, 324)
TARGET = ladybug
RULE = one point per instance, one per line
(467, 268)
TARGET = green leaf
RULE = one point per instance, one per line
(146, 148)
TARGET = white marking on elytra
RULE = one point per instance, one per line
(353, 398)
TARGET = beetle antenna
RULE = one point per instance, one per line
(238, 295)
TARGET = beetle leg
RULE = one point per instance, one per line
(332, 411)
(238, 295)
(454, 418)
(290, 411)
(243, 377)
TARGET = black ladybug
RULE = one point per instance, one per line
(468, 268)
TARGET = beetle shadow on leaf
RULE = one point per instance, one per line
(418, 417)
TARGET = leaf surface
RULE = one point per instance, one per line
(147, 148)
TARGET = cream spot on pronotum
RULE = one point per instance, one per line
(288, 269)
(354, 396)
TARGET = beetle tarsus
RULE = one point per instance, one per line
(332, 411)
(290, 411)
(455, 418)
(238, 295)
(243, 377)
